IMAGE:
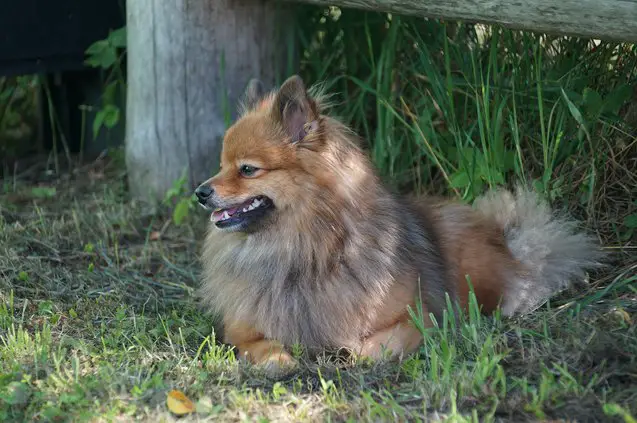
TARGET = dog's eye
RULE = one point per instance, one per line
(247, 170)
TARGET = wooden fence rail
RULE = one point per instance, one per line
(600, 19)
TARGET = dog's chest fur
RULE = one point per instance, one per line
(294, 292)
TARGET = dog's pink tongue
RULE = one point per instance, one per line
(217, 215)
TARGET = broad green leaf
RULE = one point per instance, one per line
(592, 102)
(98, 121)
(117, 38)
(93, 61)
(97, 48)
(181, 211)
(109, 93)
(111, 115)
(460, 179)
(617, 98)
(108, 57)
(498, 178)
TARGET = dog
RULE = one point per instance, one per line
(308, 246)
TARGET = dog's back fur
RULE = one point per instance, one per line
(345, 256)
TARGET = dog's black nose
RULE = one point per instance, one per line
(204, 192)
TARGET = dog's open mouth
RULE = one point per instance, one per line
(237, 214)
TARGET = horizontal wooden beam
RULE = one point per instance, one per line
(613, 20)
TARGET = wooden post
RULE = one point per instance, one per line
(188, 63)
(601, 19)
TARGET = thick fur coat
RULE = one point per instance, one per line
(330, 257)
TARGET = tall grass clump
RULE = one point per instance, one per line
(455, 108)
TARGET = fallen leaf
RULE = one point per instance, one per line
(154, 236)
(178, 403)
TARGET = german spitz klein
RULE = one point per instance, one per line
(307, 246)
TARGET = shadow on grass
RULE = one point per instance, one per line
(98, 321)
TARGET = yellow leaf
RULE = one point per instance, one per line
(179, 404)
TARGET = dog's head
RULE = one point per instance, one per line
(270, 159)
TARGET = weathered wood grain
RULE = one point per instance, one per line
(601, 19)
(188, 63)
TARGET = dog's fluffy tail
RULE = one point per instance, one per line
(552, 250)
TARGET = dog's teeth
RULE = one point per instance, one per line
(246, 209)
(251, 207)
(225, 215)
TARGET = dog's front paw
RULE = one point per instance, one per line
(278, 364)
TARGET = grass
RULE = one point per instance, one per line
(458, 108)
(98, 318)
(98, 322)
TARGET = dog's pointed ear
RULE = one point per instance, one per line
(253, 94)
(294, 109)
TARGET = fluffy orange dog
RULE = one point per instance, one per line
(307, 246)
